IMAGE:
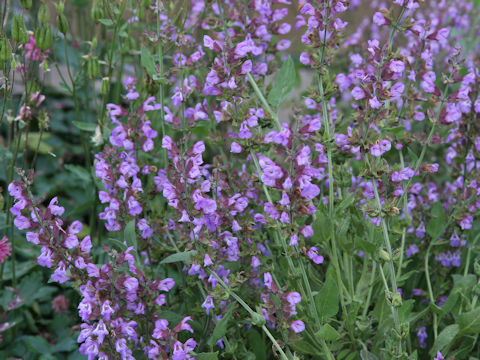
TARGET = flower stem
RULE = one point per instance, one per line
(251, 312)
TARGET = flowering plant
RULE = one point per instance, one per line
(228, 216)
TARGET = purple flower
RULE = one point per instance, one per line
(397, 66)
(46, 257)
(422, 336)
(293, 298)
(71, 242)
(305, 59)
(166, 284)
(131, 284)
(358, 93)
(411, 250)
(466, 222)
(208, 206)
(22, 223)
(375, 103)
(312, 254)
(235, 148)
(183, 326)
(86, 244)
(439, 356)
(397, 90)
(297, 326)
(380, 148)
(379, 19)
(107, 310)
(93, 270)
(208, 304)
(60, 274)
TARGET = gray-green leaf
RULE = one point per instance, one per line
(326, 300)
(147, 61)
(182, 256)
(283, 83)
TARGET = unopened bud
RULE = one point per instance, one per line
(62, 23)
(43, 14)
(26, 4)
(258, 320)
(43, 37)
(96, 12)
(476, 268)
(385, 256)
(93, 67)
(105, 86)
(4, 49)
(60, 7)
(397, 300)
(19, 32)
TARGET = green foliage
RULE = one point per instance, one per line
(283, 84)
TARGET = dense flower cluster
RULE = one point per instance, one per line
(206, 172)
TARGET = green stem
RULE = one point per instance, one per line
(469, 254)
(161, 91)
(251, 312)
(370, 288)
(430, 290)
(264, 102)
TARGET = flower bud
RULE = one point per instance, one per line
(476, 289)
(105, 86)
(43, 37)
(96, 12)
(4, 50)
(26, 4)
(60, 7)
(476, 268)
(384, 255)
(19, 32)
(258, 320)
(62, 23)
(397, 300)
(43, 14)
(93, 67)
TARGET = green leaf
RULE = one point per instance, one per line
(327, 332)
(412, 155)
(469, 322)
(79, 171)
(182, 256)
(436, 309)
(451, 301)
(37, 344)
(85, 126)
(106, 22)
(436, 225)
(345, 203)
(304, 347)
(321, 227)
(326, 300)
(257, 344)
(207, 356)
(130, 235)
(147, 62)
(367, 355)
(5, 155)
(66, 344)
(405, 310)
(29, 286)
(464, 284)
(21, 269)
(221, 327)
(33, 141)
(283, 83)
(444, 338)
